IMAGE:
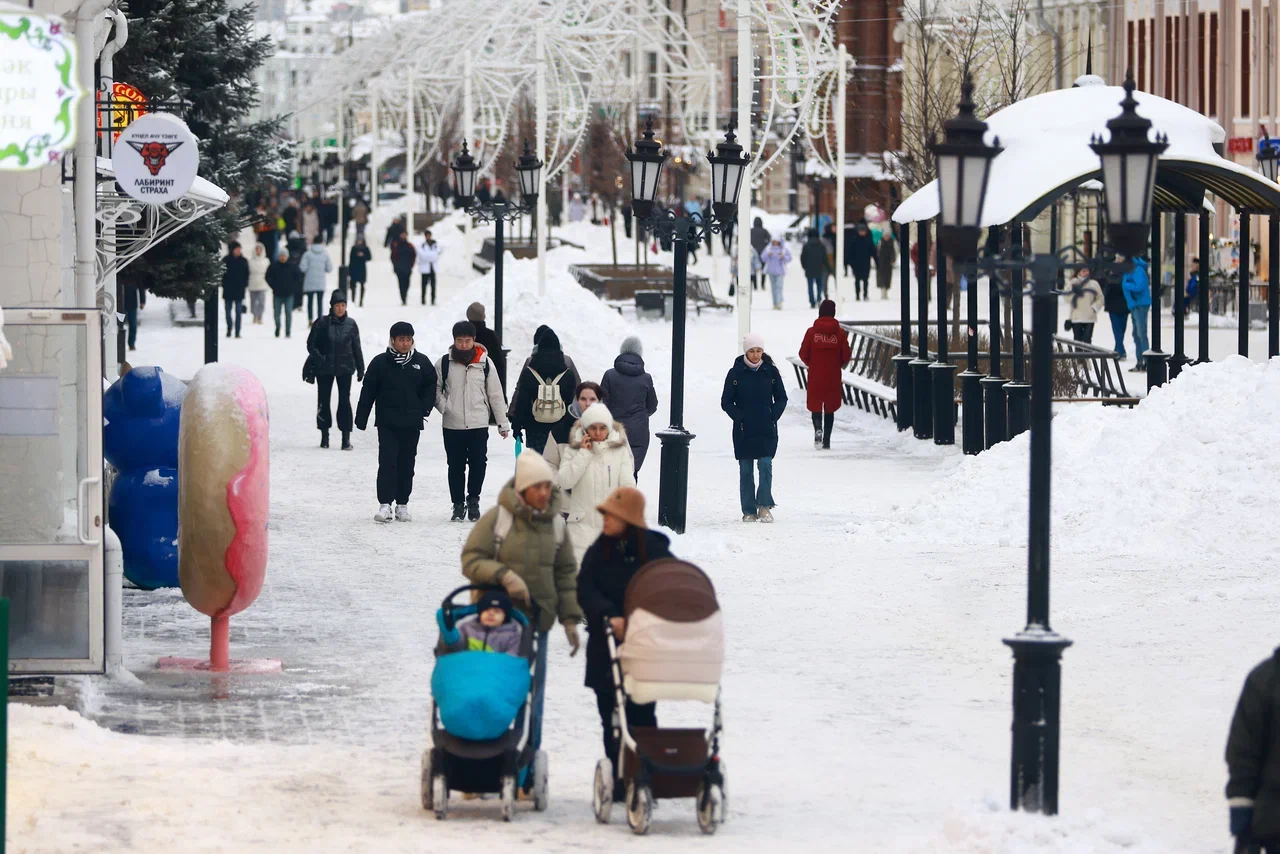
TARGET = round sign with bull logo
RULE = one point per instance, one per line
(156, 158)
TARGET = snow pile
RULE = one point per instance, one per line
(1191, 468)
(991, 828)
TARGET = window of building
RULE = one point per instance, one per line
(306, 31)
(1170, 42)
(1213, 64)
(1141, 60)
(651, 60)
(1246, 63)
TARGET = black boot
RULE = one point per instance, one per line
(324, 438)
(346, 440)
(459, 513)
(473, 509)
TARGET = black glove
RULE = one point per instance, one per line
(1241, 821)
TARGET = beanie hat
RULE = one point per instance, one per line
(337, 297)
(464, 329)
(632, 345)
(531, 468)
(597, 413)
(496, 598)
(401, 327)
(627, 503)
(475, 312)
(827, 309)
(752, 340)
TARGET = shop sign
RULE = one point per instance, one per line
(38, 88)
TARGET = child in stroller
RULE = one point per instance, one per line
(480, 709)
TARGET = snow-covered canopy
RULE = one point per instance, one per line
(1046, 153)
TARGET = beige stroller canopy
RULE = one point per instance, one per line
(674, 648)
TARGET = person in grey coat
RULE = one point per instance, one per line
(315, 266)
(629, 390)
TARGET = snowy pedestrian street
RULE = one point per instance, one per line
(866, 695)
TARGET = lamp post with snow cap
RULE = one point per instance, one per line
(728, 167)
(465, 169)
(1129, 160)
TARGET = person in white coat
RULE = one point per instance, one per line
(597, 461)
(258, 264)
(469, 391)
(1085, 297)
(428, 260)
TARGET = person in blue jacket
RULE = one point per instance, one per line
(1137, 293)
(754, 397)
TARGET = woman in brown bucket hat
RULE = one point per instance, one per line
(607, 567)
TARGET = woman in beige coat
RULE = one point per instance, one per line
(1086, 300)
(597, 461)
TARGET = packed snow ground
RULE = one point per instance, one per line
(866, 691)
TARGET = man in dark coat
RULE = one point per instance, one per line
(131, 314)
(396, 229)
(549, 362)
(632, 400)
(334, 352)
(813, 260)
(760, 239)
(358, 268)
(886, 257)
(284, 278)
(401, 382)
(859, 252)
(235, 281)
(488, 339)
(607, 568)
(754, 397)
(1253, 762)
(1117, 309)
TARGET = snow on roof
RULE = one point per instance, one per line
(1046, 147)
(391, 145)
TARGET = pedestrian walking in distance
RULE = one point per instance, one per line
(628, 388)
(401, 385)
(775, 258)
(1137, 295)
(258, 265)
(597, 461)
(1085, 295)
(334, 355)
(283, 278)
(1117, 309)
(1253, 762)
(859, 253)
(358, 268)
(825, 351)
(886, 257)
(813, 260)
(428, 258)
(488, 339)
(754, 397)
(235, 282)
(403, 259)
(759, 239)
(315, 266)
(540, 405)
(468, 393)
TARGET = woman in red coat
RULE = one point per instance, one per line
(825, 352)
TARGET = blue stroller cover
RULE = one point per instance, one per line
(478, 694)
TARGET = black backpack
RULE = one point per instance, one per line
(444, 373)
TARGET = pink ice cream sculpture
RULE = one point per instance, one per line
(223, 503)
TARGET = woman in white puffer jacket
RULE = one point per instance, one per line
(597, 461)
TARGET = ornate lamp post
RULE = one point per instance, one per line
(465, 169)
(1269, 164)
(1129, 160)
(728, 167)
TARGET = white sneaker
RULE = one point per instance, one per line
(749, 517)
(763, 515)
(384, 513)
(402, 514)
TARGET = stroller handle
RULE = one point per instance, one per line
(448, 605)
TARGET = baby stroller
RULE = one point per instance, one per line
(480, 709)
(674, 650)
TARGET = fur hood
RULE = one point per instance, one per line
(617, 436)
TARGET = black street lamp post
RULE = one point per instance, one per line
(728, 167)
(1128, 173)
(996, 404)
(902, 361)
(528, 168)
(1269, 163)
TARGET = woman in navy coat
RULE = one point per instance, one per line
(755, 398)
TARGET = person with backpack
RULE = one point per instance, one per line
(523, 546)
(468, 393)
(540, 405)
(629, 389)
(333, 348)
(488, 339)
(401, 383)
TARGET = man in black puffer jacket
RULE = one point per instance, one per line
(334, 348)
(1253, 762)
(402, 383)
(628, 390)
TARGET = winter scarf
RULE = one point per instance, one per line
(401, 358)
(462, 357)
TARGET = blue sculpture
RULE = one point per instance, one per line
(141, 413)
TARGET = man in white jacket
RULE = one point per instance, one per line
(468, 393)
(428, 258)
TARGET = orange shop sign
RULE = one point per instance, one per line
(127, 103)
(1240, 145)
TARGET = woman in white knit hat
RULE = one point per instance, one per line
(754, 397)
(522, 545)
(597, 461)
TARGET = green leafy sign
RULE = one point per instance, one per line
(38, 89)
